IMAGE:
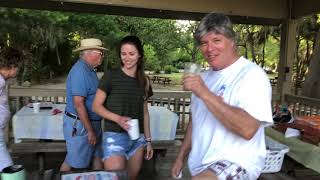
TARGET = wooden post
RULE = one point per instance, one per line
(287, 57)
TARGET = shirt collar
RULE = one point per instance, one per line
(87, 65)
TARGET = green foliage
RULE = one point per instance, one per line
(151, 60)
(157, 69)
(168, 69)
(50, 38)
(36, 32)
(272, 51)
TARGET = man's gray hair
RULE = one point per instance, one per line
(216, 23)
(84, 52)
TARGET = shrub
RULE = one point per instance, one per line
(168, 69)
(157, 69)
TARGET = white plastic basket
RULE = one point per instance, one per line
(275, 155)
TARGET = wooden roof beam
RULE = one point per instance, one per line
(112, 9)
(304, 8)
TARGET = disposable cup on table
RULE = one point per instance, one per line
(134, 131)
(36, 107)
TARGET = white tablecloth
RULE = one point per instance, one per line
(43, 125)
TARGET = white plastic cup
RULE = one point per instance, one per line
(134, 131)
(179, 175)
(192, 68)
(36, 107)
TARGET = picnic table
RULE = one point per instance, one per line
(43, 125)
(274, 81)
(160, 79)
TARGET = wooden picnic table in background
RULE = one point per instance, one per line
(274, 81)
(160, 79)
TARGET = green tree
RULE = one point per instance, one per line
(36, 32)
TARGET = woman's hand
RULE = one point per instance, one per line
(176, 168)
(149, 152)
(123, 122)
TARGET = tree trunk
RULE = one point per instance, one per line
(311, 85)
(253, 54)
(298, 59)
(263, 54)
(58, 56)
(194, 52)
(250, 41)
(246, 51)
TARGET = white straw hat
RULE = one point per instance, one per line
(90, 43)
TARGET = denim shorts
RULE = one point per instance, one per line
(224, 169)
(120, 144)
(79, 151)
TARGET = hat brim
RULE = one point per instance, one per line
(89, 47)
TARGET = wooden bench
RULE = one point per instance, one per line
(42, 147)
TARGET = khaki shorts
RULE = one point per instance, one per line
(226, 170)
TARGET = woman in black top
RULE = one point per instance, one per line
(122, 95)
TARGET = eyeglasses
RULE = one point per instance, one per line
(99, 52)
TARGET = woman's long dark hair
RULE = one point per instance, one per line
(140, 75)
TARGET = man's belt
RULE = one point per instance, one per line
(72, 115)
(77, 117)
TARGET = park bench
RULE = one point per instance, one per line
(42, 147)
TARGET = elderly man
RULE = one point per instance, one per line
(230, 105)
(81, 126)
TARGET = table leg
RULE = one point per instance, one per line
(41, 159)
